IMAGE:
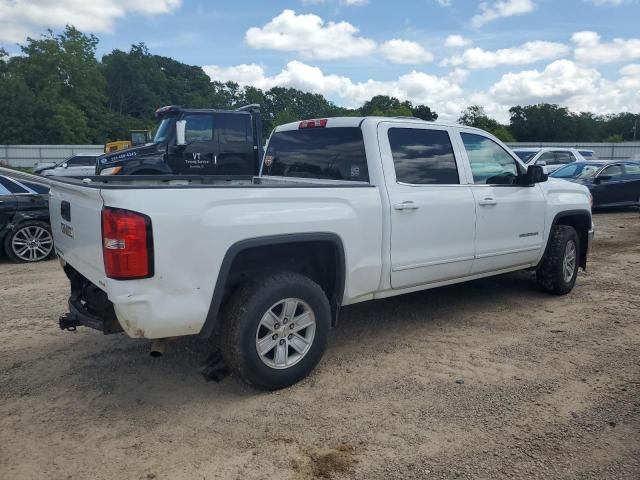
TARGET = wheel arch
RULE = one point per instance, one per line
(581, 221)
(259, 255)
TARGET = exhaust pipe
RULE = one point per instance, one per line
(157, 347)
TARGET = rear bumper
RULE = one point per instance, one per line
(88, 306)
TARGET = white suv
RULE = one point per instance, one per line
(549, 157)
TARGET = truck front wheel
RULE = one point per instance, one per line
(559, 268)
(275, 329)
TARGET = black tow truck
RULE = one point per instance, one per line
(191, 141)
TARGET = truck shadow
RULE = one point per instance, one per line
(115, 374)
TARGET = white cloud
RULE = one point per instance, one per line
(444, 93)
(496, 9)
(606, 3)
(348, 3)
(444, 3)
(524, 54)
(20, 18)
(310, 36)
(580, 87)
(589, 48)
(456, 41)
(405, 51)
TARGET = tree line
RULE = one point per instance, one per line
(58, 92)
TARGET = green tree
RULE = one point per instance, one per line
(616, 138)
(476, 116)
(384, 106)
(424, 112)
(542, 123)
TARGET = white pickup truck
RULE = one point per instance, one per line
(345, 210)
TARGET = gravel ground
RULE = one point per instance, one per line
(491, 379)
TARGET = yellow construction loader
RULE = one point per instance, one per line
(138, 137)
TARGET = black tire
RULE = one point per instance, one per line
(241, 322)
(550, 275)
(14, 256)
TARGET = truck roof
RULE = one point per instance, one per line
(357, 121)
(172, 109)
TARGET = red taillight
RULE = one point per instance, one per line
(313, 123)
(127, 244)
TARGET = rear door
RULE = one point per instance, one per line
(632, 175)
(432, 208)
(237, 154)
(510, 217)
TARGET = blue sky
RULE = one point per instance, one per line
(446, 53)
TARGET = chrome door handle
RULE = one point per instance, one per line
(488, 201)
(406, 206)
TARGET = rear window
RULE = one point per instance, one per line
(524, 155)
(323, 153)
(12, 186)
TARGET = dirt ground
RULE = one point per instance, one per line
(491, 379)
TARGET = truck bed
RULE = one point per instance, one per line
(202, 181)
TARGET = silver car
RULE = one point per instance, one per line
(549, 157)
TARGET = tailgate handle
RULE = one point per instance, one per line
(65, 210)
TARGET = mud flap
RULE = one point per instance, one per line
(214, 368)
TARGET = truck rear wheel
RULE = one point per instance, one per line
(275, 329)
(559, 268)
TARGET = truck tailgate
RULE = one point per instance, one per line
(76, 223)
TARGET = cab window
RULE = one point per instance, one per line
(633, 170)
(81, 161)
(324, 153)
(199, 128)
(490, 163)
(615, 172)
(548, 157)
(234, 129)
(563, 158)
(423, 157)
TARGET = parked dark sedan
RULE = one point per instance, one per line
(25, 233)
(612, 184)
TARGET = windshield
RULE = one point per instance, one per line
(164, 130)
(524, 155)
(577, 171)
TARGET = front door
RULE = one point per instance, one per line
(432, 210)
(199, 155)
(7, 206)
(609, 189)
(510, 217)
(80, 166)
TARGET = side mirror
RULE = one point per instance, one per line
(65, 165)
(181, 132)
(535, 174)
(542, 163)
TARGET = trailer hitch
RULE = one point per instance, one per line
(68, 322)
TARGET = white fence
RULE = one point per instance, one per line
(604, 151)
(27, 156)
